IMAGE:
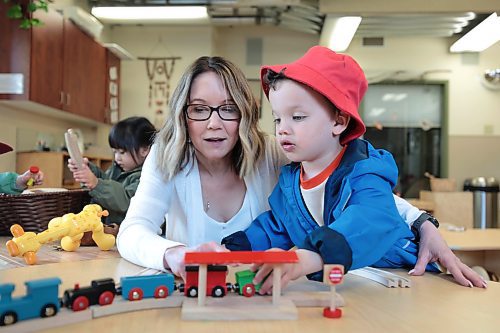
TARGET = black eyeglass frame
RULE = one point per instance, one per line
(212, 109)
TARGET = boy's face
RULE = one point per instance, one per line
(306, 126)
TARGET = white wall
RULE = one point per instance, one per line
(180, 41)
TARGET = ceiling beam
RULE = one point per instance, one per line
(365, 7)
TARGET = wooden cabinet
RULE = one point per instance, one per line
(54, 167)
(84, 74)
(63, 67)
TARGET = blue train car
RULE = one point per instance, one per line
(41, 300)
(135, 288)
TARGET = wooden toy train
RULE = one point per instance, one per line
(41, 299)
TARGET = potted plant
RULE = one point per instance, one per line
(23, 11)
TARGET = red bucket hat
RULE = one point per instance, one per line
(5, 148)
(338, 77)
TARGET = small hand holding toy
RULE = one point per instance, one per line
(34, 170)
(34, 176)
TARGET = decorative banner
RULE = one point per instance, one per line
(159, 71)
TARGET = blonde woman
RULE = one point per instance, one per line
(210, 172)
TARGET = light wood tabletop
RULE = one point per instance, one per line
(433, 303)
(472, 239)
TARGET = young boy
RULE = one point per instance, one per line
(334, 201)
(11, 182)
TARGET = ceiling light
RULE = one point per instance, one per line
(484, 35)
(338, 32)
(150, 13)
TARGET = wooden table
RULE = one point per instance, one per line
(434, 303)
(476, 247)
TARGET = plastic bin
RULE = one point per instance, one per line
(485, 201)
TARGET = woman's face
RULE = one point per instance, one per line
(214, 138)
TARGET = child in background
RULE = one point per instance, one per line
(334, 201)
(131, 140)
(13, 183)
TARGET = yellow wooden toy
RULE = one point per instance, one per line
(69, 228)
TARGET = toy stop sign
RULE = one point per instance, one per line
(335, 275)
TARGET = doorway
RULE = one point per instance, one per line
(406, 120)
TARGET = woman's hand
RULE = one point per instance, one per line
(309, 262)
(173, 258)
(433, 248)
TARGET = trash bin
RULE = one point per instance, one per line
(485, 201)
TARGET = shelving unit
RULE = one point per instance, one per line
(54, 166)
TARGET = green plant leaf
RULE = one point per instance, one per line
(15, 12)
(32, 7)
(25, 23)
(36, 22)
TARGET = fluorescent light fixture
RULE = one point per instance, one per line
(338, 32)
(480, 37)
(152, 13)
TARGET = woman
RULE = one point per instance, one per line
(211, 171)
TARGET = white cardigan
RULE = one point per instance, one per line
(180, 202)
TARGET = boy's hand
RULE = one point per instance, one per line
(173, 258)
(85, 176)
(22, 180)
(309, 262)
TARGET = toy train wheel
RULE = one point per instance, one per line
(135, 294)
(48, 310)
(192, 292)
(248, 290)
(106, 298)
(218, 291)
(161, 292)
(8, 318)
(80, 303)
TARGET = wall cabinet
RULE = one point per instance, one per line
(63, 67)
(54, 167)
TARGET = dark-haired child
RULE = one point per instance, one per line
(131, 140)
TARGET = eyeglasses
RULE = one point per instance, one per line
(200, 112)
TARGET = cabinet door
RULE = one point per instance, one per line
(14, 50)
(112, 87)
(83, 74)
(47, 60)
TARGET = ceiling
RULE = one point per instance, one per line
(381, 18)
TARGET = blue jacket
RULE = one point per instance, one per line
(362, 224)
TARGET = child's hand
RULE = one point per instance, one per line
(22, 180)
(309, 262)
(72, 165)
(85, 176)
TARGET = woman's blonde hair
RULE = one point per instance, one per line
(174, 152)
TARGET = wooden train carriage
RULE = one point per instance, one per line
(135, 288)
(216, 281)
(244, 285)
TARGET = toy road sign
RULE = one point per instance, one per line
(333, 274)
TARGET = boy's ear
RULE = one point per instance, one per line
(340, 124)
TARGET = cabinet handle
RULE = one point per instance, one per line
(68, 99)
(61, 98)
